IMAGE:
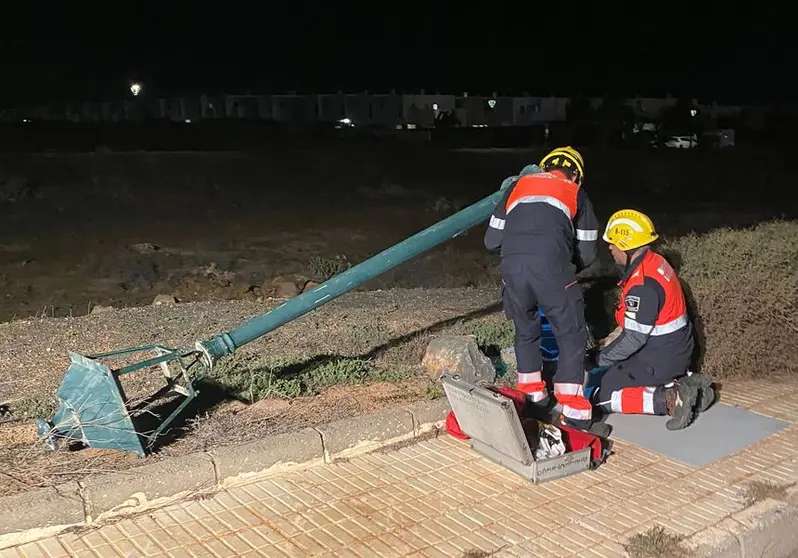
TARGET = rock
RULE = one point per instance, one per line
(219, 277)
(458, 355)
(310, 285)
(286, 289)
(249, 292)
(280, 287)
(144, 248)
(164, 299)
(100, 309)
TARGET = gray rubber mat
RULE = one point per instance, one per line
(719, 432)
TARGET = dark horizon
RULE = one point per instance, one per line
(54, 52)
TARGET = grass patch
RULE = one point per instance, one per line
(370, 334)
(336, 372)
(759, 491)
(498, 334)
(409, 353)
(249, 379)
(33, 407)
(433, 391)
(491, 333)
(325, 268)
(657, 543)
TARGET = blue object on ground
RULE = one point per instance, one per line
(593, 379)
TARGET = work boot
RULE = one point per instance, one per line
(680, 402)
(706, 393)
(540, 410)
(600, 429)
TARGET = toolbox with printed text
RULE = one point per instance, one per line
(499, 427)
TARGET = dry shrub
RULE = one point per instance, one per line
(742, 286)
(657, 543)
(759, 491)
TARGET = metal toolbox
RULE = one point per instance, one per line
(496, 432)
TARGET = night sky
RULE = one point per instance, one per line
(72, 50)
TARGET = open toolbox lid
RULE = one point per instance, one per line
(490, 419)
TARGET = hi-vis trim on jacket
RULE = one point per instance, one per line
(673, 314)
(496, 223)
(546, 188)
(664, 329)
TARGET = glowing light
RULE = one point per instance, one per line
(135, 89)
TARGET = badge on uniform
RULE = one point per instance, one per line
(632, 303)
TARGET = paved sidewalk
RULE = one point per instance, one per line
(438, 498)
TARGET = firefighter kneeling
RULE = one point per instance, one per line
(648, 361)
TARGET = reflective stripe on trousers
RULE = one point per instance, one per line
(532, 384)
(574, 404)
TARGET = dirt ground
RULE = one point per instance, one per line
(118, 229)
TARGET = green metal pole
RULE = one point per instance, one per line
(226, 343)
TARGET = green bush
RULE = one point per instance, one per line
(325, 268)
(250, 379)
(742, 289)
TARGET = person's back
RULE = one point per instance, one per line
(540, 210)
(547, 217)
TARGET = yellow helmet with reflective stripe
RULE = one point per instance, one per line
(629, 229)
(567, 159)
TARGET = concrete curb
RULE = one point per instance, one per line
(766, 529)
(43, 512)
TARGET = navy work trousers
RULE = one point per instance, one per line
(525, 286)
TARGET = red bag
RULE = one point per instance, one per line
(576, 440)
(453, 428)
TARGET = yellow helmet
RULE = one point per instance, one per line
(629, 229)
(568, 159)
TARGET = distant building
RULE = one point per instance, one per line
(529, 111)
(420, 110)
(385, 111)
(296, 109)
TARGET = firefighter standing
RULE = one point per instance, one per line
(649, 360)
(546, 230)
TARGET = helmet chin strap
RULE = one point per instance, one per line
(629, 256)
